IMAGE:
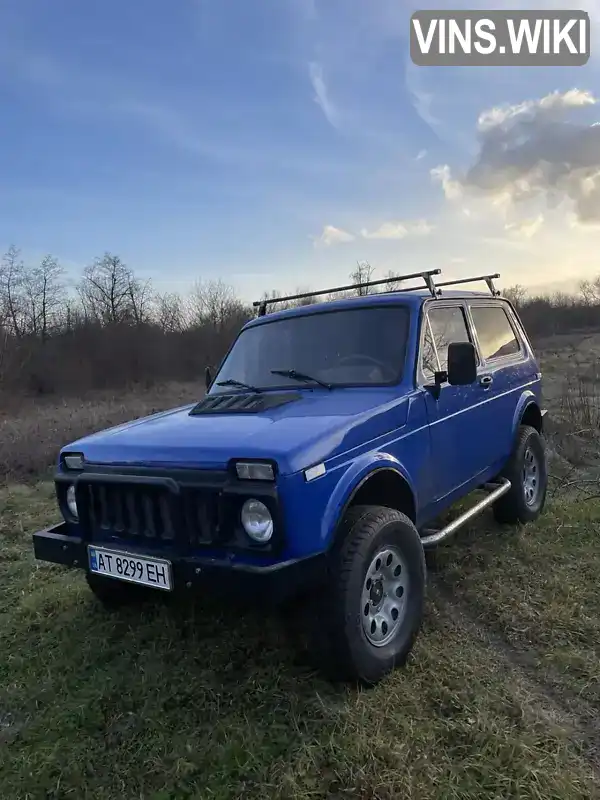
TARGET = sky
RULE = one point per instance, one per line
(275, 143)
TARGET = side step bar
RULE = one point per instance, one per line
(432, 538)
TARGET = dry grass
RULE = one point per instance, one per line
(537, 589)
(31, 436)
(571, 367)
(209, 702)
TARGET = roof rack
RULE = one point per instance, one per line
(426, 276)
(489, 279)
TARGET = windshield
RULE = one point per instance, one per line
(359, 346)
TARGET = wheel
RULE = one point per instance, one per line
(368, 616)
(528, 473)
(114, 594)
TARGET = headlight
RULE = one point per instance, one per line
(71, 502)
(254, 471)
(257, 521)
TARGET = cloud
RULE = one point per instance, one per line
(421, 154)
(332, 235)
(391, 230)
(321, 97)
(527, 227)
(398, 230)
(549, 107)
(575, 223)
(422, 102)
(452, 188)
(532, 152)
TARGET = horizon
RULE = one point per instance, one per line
(66, 284)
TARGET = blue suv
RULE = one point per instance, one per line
(329, 442)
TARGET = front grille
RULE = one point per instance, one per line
(148, 514)
(200, 516)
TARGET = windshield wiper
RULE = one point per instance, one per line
(299, 376)
(241, 384)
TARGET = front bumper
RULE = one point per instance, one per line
(275, 582)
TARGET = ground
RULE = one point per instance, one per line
(499, 699)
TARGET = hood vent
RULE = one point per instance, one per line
(242, 403)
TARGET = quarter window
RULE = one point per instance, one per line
(494, 331)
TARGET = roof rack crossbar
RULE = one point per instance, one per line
(489, 279)
(426, 276)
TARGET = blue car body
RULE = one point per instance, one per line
(326, 444)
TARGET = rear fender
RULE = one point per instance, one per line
(528, 398)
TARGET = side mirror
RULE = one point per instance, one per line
(207, 378)
(462, 364)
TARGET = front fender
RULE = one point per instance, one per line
(356, 473)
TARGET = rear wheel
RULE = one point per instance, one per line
(528, 473)
(369, 615)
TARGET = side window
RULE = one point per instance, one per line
(446, 325)
(494, 331)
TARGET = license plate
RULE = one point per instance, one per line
(154, 572)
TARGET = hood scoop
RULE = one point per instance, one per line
(243, 403)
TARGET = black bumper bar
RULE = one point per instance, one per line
(277, 581)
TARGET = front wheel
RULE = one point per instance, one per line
(372, 609)
(528, 473)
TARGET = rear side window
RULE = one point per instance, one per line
(494, 331)
(444, 325)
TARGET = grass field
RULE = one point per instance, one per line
(500, 698)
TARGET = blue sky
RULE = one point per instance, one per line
(272, 143)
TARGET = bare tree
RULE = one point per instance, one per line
(170, 312)
(275, 294)
(590, 291)
(516, 294)
(12, 273)
(362, 274)
(140, 299)
(110, 293)
(213, 303)
(305, 301)
(391, 284)
(44, 294)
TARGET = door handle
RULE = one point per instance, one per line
(486, 381)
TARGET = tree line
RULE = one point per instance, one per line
(110, 329)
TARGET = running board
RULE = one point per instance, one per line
(432, 538)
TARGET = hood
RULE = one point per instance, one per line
(313, 426)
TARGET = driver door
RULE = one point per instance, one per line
(456, 418)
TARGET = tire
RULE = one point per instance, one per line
(346, 647)
(114, 594)
(527, 497)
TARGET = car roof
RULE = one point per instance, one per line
(412, 298)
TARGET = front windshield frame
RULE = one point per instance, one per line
(287, 384)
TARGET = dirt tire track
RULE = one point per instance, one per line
(557, 703)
